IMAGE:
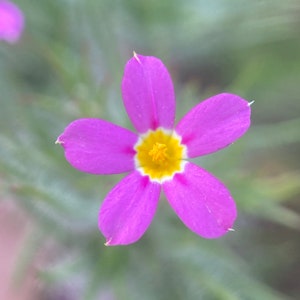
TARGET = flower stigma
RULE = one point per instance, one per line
(160, 155)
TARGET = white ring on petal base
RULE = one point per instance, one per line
(172, 141)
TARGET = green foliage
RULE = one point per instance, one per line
(69, 65)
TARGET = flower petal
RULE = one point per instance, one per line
(128, 209)
(148, 93)
(98, 147)
(201, 201)
(214, 124)
(11, 22)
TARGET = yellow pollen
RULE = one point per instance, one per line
(158, 152)
(160, 155)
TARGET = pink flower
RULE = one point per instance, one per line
(158, 155)
(11, 22)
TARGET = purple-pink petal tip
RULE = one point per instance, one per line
(11, 21)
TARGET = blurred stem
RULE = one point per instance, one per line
(53, 61)
(30, 247)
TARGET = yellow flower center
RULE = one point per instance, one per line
(160, 155)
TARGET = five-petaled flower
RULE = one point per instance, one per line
(158, 155)
(11, 21)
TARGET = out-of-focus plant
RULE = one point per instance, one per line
(69, 64)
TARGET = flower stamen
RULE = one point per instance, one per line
(158, 153)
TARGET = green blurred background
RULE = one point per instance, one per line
(69, 64)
